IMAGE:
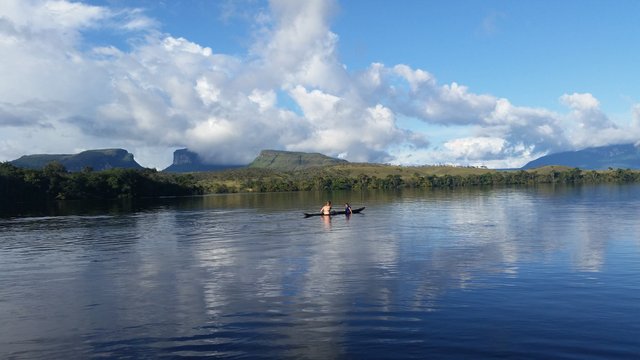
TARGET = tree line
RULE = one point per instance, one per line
(262, 180)
(53, 182)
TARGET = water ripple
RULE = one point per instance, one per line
(508, 273)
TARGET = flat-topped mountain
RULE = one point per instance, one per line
(290, 160)
(102, 159)
(185, 160)
(625, 156)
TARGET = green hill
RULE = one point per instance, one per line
(102, 159)
(290, 160)
(623, 156)
(39, 161)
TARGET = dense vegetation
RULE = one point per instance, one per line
(371, 176)
(54, 182)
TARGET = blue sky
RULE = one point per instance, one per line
(494, 83)
(528, 51)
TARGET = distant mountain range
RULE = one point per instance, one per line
(102, 159)
(625, 156)
(185, 160)
(290, 160)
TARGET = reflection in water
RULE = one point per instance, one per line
(459, 273)
(327, 222)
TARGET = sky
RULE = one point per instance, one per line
(471, 83)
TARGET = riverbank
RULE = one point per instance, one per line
(375, 176)
(55, 183)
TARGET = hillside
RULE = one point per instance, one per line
(102, 159)
(185, 160)
(625, 156)
(290, 160)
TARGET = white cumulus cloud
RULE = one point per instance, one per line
(476, 148)
(61, 93)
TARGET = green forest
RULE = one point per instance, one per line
(394, 177)
(54, 182)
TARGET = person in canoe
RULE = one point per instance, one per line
(326, 209)
(347, 209)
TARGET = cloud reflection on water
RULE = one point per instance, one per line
(250, 268)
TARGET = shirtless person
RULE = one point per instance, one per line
(326, 209)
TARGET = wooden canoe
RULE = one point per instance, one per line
(334, 212)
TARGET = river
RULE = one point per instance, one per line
(536, 272)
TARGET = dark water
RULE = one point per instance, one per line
(494, 273)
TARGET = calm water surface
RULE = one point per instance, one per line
(511, 273)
